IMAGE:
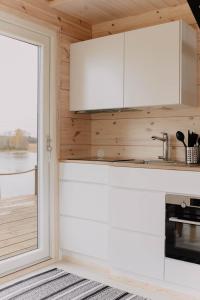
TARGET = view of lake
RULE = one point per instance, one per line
(17, 185)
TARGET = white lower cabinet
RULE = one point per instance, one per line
(117, 215)
(84, 237)
(120, 225)
(84, 209)
(137, 234)
(137, 253)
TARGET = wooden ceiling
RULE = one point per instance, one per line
(98, 11)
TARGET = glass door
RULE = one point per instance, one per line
(24, 156)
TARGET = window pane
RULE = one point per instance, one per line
(18, 146)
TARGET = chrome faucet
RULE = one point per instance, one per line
(165, 140)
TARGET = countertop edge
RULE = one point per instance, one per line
(136, 165)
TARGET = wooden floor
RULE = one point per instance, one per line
(18, 225)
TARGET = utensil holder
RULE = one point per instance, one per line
(192, 155)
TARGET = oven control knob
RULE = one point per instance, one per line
(183, 205)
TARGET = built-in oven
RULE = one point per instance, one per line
(182, 228)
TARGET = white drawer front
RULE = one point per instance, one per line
(84, 172)
(85, 237)
(137, 253)
(182, 273)
(169, 181)
(141, 211)
(84, 200)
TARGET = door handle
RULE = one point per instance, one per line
(49, 146)
(172, 219)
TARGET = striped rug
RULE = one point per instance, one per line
(58, 284)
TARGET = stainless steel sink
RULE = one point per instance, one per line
(151, 162)
(135, 161)
(156, 161)
(163, 162)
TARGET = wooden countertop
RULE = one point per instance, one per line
(179, 166)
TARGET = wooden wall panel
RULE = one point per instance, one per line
(138, 152)
(75, 151)
(138, 132)
(128, 134)
(132, 136)
(153, 17)
(98, 11)
(73, 131)
(40, 11)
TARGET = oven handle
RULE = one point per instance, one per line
(172, 219)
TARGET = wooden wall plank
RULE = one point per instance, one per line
(138, 152)
(98, 11)
(165, 112)
(75, 131)
(75, 151)
(138, 132)
(153, 17)
(40, 10)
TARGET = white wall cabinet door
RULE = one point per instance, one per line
(154, 66)
(96, 73)
(137, 253)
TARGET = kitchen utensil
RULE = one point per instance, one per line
(192, 155)
(189, 138)
(180, 137)
(192, 138)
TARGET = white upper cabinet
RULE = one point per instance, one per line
(160, 66)
(96, 73)
(153, 66)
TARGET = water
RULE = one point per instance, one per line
(17, 185)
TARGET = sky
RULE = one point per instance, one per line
(18, 86)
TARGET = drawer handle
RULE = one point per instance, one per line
(184, 221)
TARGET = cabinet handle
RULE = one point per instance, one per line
(184, 221)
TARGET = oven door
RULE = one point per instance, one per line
(183, 239)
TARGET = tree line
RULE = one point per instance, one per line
(18, 140)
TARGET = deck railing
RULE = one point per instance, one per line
(24, 172)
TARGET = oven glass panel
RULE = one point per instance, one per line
(182, 239)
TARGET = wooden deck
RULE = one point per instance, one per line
(18, 225)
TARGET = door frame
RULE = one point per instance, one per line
(52, 36)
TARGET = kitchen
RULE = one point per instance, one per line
(127, 135)
(137, 168)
